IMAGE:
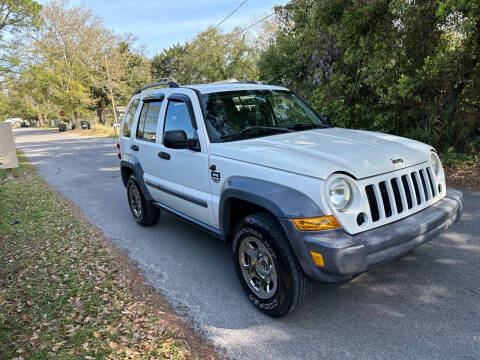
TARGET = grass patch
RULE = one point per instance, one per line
(99, 130)
(61, 295)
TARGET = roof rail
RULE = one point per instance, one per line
(233, 81)
(170, 84)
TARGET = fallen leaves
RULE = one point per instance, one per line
(65, 295)
(463, 177)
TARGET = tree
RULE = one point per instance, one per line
(18, 14)
(71, 62)
(171, 64)
(210, 56)
(16, 17)
(33, 93)
(409, 68)
(128, 69)
(88, 62)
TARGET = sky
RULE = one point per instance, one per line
(159, 24)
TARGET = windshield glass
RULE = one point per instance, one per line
(238, 115)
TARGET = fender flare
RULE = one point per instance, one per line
(280, 200)
(132, 163)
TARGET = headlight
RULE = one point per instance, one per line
(436, 163)
(340, 194)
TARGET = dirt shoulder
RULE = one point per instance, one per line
(467, 177)
(66, 292)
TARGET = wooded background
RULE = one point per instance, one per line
(406, 67)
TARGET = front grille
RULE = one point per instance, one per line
(399, 195)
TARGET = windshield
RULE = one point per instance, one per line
(238, 115)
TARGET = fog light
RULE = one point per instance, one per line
(317, 258)
(317, 223)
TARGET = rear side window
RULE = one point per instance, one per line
(178, 118)
(147, 124)
(129, 118)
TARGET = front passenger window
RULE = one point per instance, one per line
(178, 118)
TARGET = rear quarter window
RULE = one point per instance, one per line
(129, 118)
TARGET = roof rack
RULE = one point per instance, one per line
(170, 84)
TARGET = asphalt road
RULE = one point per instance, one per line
(423, 306)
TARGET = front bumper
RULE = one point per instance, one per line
(348, 255)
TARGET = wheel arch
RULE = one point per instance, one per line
(131, 166)
(279, 200)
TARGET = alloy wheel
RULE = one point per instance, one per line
(258, 268)
(135, 201)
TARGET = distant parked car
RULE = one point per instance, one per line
(24, 124)
(85, 125)
(14, 122)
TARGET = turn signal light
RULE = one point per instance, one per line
(317, 223)
(317, 258)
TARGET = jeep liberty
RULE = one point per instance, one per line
(299, 200)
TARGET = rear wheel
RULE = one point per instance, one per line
(266, 266)
(144, 213)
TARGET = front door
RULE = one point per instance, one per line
(181, 180)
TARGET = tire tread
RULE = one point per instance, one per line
(302, 283)
(151, 213)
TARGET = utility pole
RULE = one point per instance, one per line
(111, 92)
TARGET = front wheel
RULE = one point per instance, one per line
(266, 266)
(144, 213)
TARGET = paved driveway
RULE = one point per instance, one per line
(424, 306)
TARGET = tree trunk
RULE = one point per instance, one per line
(45, 119)
(40, 119)
(101, 115)
(76, 116)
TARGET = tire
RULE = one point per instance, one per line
(144, 213)
(274, 260)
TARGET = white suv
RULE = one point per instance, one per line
(299, 199)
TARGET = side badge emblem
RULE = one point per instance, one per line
(215, 176)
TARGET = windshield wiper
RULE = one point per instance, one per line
(254, 129)
(306, 125)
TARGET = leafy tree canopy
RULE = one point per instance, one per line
(210, 56)
(403, 67)
(18, 14)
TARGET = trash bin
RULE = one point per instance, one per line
(62, 127)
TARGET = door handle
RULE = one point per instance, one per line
(134, 147)
(164, 155)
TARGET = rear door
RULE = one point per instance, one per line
(145, 146)
(126, 138)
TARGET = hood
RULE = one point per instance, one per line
(322, 152)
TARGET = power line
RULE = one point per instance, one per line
(250, 26)
(233, 12)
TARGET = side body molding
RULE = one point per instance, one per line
(280, 200)
(130, 164)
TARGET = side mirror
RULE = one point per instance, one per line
(176, 139)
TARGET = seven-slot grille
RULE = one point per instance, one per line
(402, 194)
